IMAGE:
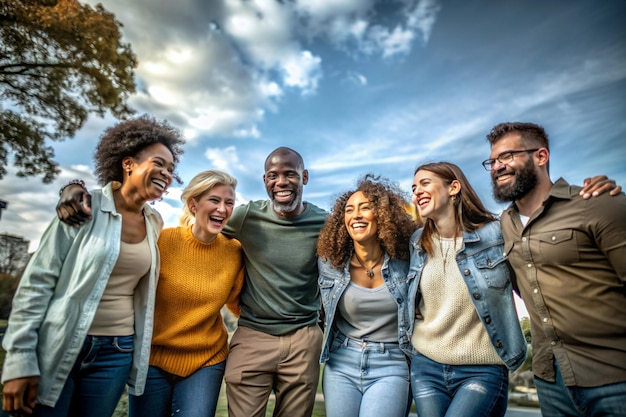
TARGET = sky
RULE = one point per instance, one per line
(358, 86)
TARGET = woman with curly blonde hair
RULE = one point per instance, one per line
(363, 263)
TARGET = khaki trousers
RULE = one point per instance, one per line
(259, 363)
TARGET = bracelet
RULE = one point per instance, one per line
(72, 182)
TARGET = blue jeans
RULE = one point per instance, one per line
(556, 399)
(171, 395)
(458, 390)
(97, 380)
(364, 379)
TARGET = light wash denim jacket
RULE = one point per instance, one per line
(333, 283)
(486, 272)
(59, 293)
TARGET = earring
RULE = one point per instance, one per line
(453, 198)
(129, 172)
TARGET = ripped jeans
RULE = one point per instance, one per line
(458, 390)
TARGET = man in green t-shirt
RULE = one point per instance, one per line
(278, 341)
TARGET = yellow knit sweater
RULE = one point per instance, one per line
(196, 280)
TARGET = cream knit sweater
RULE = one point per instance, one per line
(451, 332)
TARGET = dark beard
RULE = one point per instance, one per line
(525, 181)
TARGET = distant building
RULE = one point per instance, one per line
(13, 253)
(3, 205)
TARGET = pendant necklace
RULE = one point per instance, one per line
(448, 244)
(369, 271)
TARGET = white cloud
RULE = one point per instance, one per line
(214, 68)
(225, 159)
(302, 71)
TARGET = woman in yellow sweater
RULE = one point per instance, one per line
(201, 271)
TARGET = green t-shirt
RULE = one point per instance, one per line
(280, 292)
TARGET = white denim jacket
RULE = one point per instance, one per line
(59, 293)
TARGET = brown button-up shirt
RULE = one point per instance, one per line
(570, 267)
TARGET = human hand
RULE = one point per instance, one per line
(19, 395)
(600, 184)
(74, 206)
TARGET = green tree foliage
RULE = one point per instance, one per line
(8, 285)
(59, 61)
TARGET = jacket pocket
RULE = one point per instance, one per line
(494, 268)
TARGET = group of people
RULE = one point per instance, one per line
(412, 309)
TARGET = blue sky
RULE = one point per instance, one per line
(359, 86)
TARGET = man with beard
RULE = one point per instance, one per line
(278, 341)
(569, 256)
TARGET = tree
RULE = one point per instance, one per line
(59, 62)
(8, 285)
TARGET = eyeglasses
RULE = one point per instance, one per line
(504, 158)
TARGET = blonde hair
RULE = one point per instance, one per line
(200, 184)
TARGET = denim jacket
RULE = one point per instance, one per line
(487, 274)
(59, 293)
(333, 283)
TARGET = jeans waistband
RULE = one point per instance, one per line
(365, 344)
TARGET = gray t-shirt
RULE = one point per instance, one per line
(369, 313)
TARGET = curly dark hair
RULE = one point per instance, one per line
(395, 223)
(129, 138)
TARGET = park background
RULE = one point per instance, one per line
(355, 86)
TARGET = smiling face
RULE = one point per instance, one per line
(515, 179)
(150, 171)
(360, 219)
(212, 209)
(284, 180)
(432, 195)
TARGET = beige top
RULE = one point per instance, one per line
(115, 313)
(451, 332)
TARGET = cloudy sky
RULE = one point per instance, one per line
(360, 86)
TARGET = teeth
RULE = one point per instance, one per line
(359, 225)
(283, 193)
(160, 183)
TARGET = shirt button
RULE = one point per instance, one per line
(530, 265)
(467, 272)
(487, 320)
(553, 343)
(535, 290)
(524, 239)
(553, 238)
(545, 319)
(499, 344)
(476, 296)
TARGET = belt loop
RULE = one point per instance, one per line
(344, 339)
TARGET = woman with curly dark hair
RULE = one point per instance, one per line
(82, 315)
(363, 264)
